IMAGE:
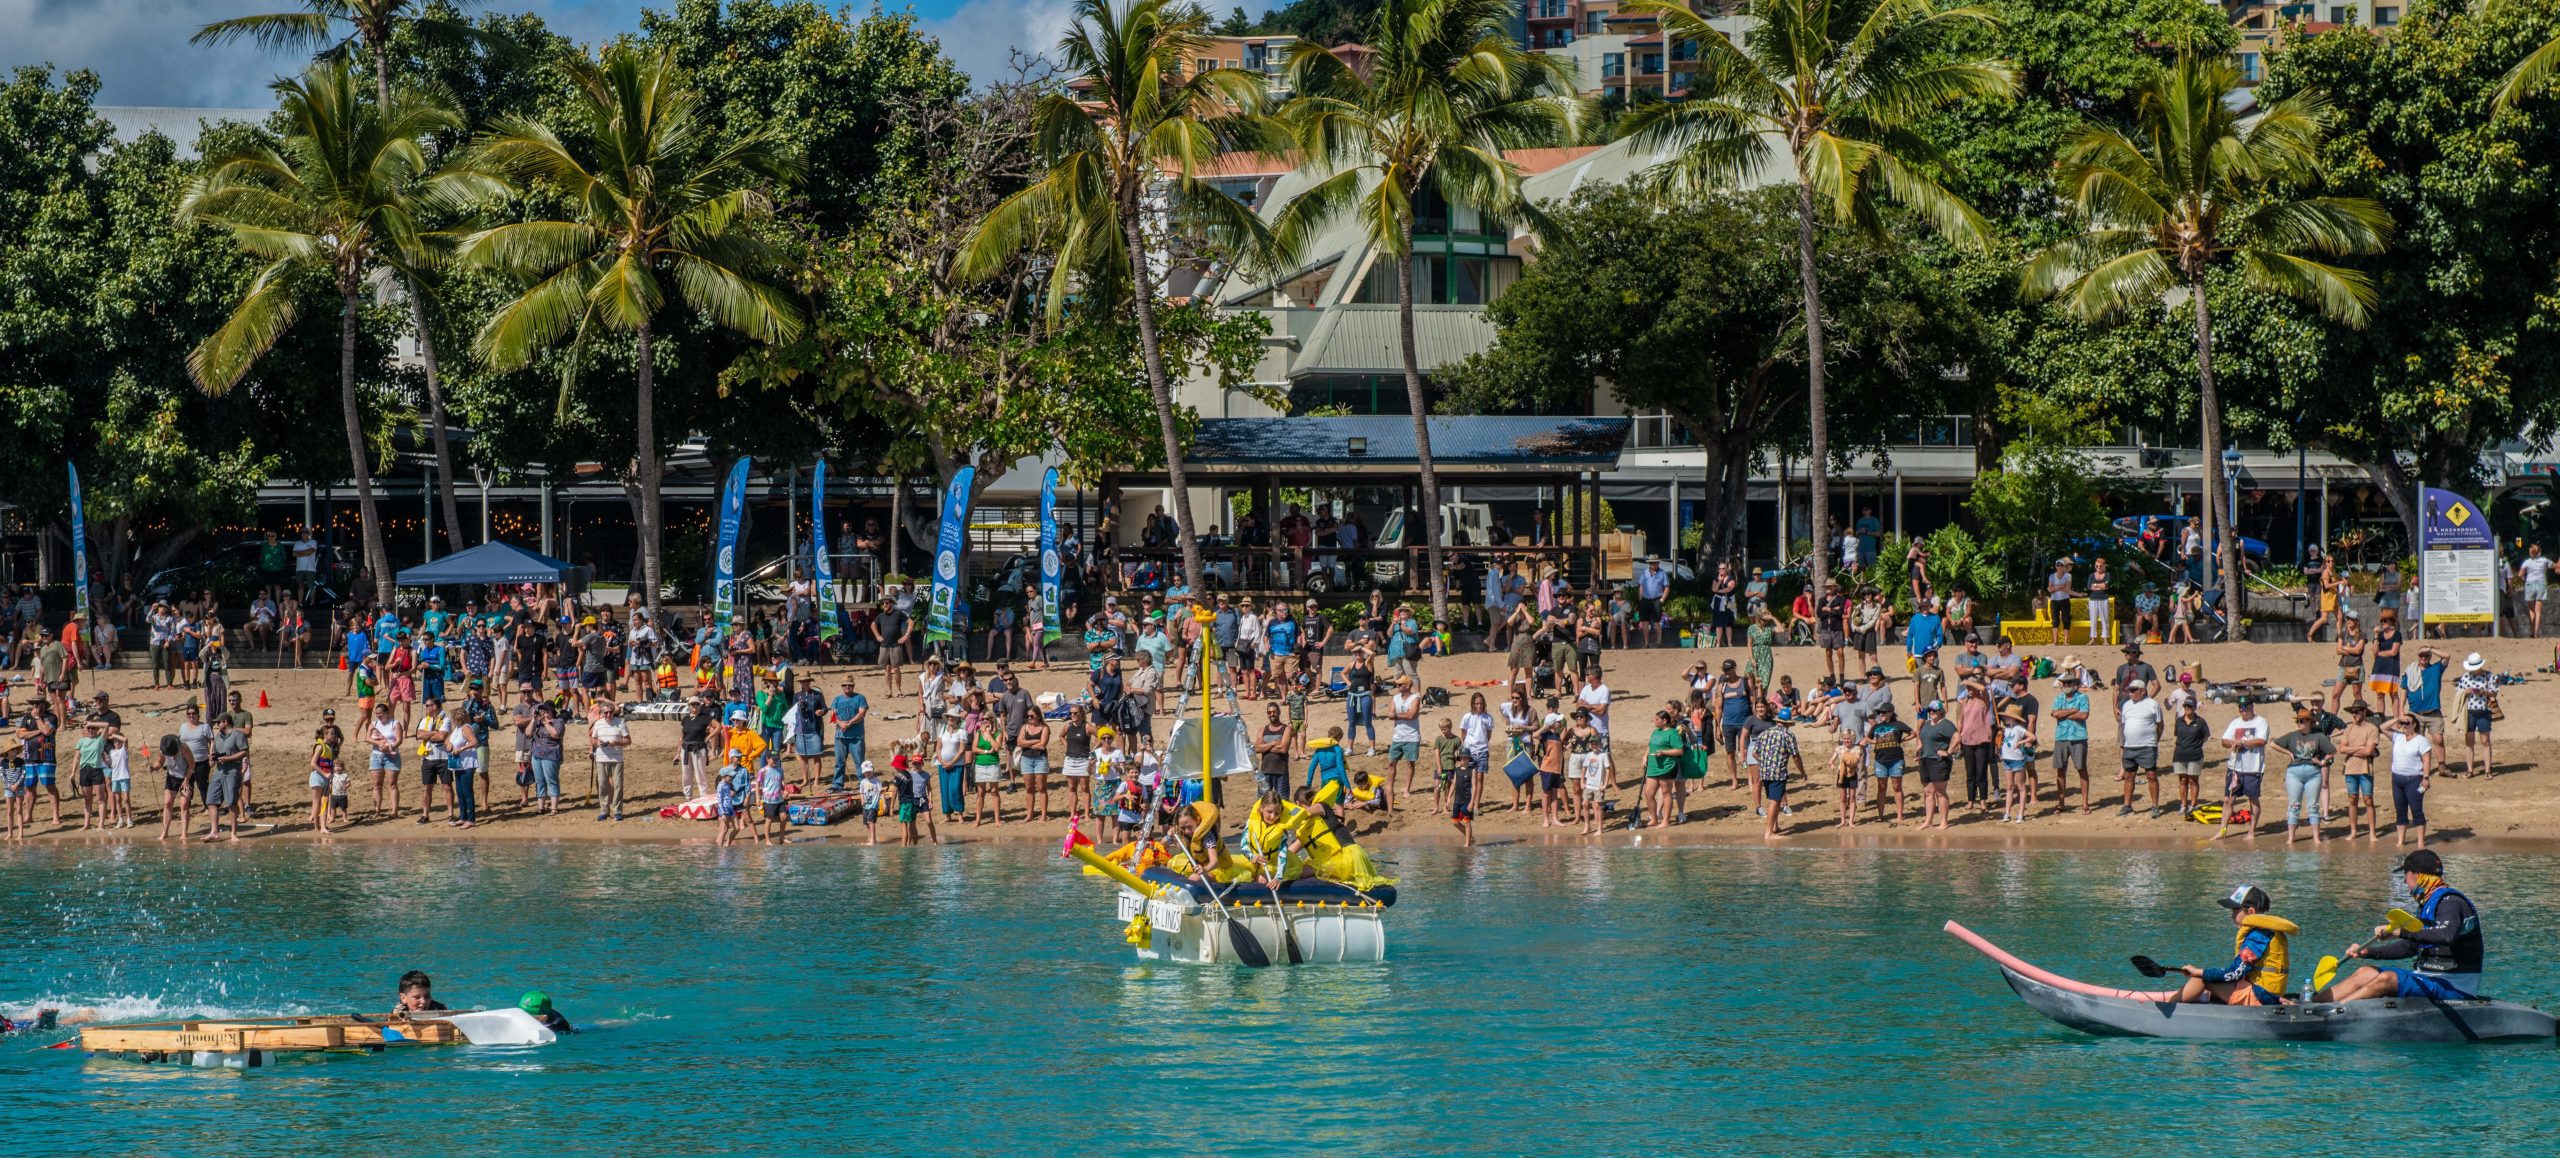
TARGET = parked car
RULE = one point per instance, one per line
(232, 574)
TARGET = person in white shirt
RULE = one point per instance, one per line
(607, 736)
(2246, 739)
(2535, 571)
(2138, 722)
(1404, 737)
(2412, 765)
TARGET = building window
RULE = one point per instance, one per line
(1559, 37)
(2249, 67)
(1356, 394)
(1205, 64)
(2342, 14)
(1613, 64)
(1653, 64)
(1554, 9)
(2385, 17)
(1591, 23)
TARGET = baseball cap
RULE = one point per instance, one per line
(2247, 897)
(2421, 860)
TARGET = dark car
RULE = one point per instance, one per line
(233, 575)
(1020, 573)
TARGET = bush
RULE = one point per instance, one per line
(1690, 609)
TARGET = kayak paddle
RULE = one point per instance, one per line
(2399, 920)
(2150, 968)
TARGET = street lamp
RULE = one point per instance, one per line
(2230, 511)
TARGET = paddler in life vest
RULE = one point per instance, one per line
(2257, 972)
(2447, 943)
(1329, 841)
(1199, 853)
(1275, 839)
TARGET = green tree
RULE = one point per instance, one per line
(2188, 187)
(655, 191)
(2533, 73)
(2046, 495)
(336, 29)
(1693, 310)
(336, 200)
(1130, 144)
(2461, 348)
(1836, 88)
(1444, 89)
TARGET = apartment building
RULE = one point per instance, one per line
(2264, 24)
(1614, 51)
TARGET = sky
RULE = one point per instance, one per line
(140, 52)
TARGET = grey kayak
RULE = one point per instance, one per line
(2127, 1013)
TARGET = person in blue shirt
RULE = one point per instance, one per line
(2426, 691)
(1404, 645)
(2259, 971)
(431, 668)
(359, 646)
(2071, 743)
(850, 709)
(1281, 636)
(434, 620)
(386, 629)
(1926, 631)
(1326, 762)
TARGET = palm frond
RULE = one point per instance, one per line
(265, 312)
(2342, 295)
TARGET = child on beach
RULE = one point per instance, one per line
(324, 778)
(2017, 760)
(91, 774)
(913, 784)
(17, 787)
(771, 823)
(119, 783)
(1449, 755)
(733, 780)
(872, 799)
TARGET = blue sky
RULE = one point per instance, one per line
(140, 52)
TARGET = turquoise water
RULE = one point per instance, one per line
(977, 1000)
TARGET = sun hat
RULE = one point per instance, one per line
(2473, 662)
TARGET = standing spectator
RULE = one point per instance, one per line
(2535, 572)
(2359, 745)
(2139, 721)
(1774, 753)
(2385, 683)
(2071, 745)
(545, 745)
(382, 743)
(2479, 688)
(1404, 735)
(1974, 738)
(2186, 755)
(1653, 585)
(2306, 769)
(1271, 753)
(230, 752)
(463, 745)
(2245, 738)
(2413, 762)
(2102, 619)
(1937, 740)
(607, 737)
(890, 628)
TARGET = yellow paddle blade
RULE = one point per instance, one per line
(2326, 972)
(2403, 920)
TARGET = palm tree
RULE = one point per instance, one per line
(1835, 87)
(335, 29)
(1121, 146)
(1445, 90)
(2190, 186)
(2530, 75)
(655, 189)
(336, 198)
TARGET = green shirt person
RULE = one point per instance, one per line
(1662, 753)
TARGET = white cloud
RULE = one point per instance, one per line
(980, 35)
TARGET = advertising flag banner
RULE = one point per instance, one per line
(724, 560)
(946, 555)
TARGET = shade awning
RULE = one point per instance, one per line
(491, 562)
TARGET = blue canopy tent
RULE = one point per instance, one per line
(489, 563)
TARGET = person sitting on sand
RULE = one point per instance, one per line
(539, 1005)
(417, 995)
(2257, 974)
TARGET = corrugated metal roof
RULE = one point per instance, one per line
(1456, 440)
(1363, 339)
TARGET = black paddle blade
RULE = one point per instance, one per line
(2148, 967)
(1248, 950)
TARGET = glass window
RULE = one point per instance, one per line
(2385, 17)
(1591, 23)
(1613, 64)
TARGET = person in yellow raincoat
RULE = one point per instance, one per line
(1197, 851)
(1276, 839)
(1337, 858)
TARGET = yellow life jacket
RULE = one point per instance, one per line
(2273, 974)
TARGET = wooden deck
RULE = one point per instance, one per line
(341, 1032)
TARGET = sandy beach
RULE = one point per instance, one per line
(2510, 810)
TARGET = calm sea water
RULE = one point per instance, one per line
(977, 1000)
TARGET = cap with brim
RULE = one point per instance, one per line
(1875, 671)
(2132, 647)
(2421, 860)
(2246, 897)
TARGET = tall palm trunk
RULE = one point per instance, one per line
(897, 522)
(651, 472)
(1817, 397)
(2225, 541)
(435, 422)
(377, 554)
(1421, 430)
(426, 345)
(1142, 285)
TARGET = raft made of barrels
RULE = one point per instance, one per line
(1184, 922)
(246, 1042)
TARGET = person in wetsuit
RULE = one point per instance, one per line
(2447, 945)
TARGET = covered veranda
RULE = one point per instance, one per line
(1519, 491)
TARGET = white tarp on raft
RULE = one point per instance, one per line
(1230, 752)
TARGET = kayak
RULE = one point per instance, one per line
(2130, 1013)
